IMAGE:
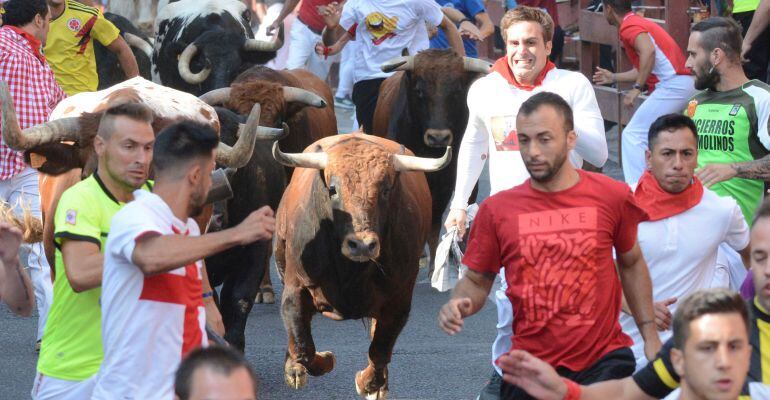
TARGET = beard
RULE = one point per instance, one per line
(197, 202)
(707, 79)
(551, 170)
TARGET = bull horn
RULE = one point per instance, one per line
(292, 94)
(21, 140)
(216, 96)
(300, 160)
(412, 163)
(476, 65)
(139, 43)
(403, 63)
(240, 154)
(262, 45)
(184, 66)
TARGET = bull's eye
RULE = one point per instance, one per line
(332, 191)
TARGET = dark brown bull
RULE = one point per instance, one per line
(349, 234)
(423, 107)
(295, 97)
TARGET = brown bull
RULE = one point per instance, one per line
(295, 97)
(349, 232)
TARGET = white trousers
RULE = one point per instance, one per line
(49, 388)
(261, 33)
(23, 189)
(347, 69)
(670, 96)
(302, 51)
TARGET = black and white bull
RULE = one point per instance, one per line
(201, 45)
(423, 106)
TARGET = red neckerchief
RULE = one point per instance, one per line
(660, 204)
(501, 66)
(33, 42)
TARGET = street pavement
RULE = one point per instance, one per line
(426, 364)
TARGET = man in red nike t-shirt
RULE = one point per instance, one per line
(554, 234)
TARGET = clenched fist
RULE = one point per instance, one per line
(450, 318)
(259, 225)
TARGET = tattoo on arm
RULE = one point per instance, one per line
(757, 169)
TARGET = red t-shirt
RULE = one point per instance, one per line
(557, 252)
(309, 16)
(669, 57)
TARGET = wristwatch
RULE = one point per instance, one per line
(638, 87)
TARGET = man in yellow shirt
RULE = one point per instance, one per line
(70, 49)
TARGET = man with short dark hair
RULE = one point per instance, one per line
(554, 234)
(687, 225)
(659, 378)
(152, 304)
(490, 137)
(215, 373)
(711, 345)
(35, 93)
(658, 63)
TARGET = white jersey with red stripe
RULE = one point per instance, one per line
(669, 57)
(148, 322)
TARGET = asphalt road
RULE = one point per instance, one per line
(426, 364)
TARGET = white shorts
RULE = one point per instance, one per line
(48, 388)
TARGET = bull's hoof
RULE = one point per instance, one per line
(368, 387)
(323, 363)
(265, 296)
(295, 374)
(424, 260)
(268, 297)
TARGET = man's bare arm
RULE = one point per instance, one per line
(83, 263)
(637, 288)
(452, 36)
(759, 23)
(155, 253)
(15, 286)
(468, 297)
(125, 56)
(646, 50)
(757, 169)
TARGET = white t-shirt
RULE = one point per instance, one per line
(384, 28)
(148, 322)
(491, 133)
(681, 253)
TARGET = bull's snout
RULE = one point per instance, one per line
(438, 137)
(361, 247)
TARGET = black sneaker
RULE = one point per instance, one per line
(492, 390)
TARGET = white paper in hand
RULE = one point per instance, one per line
(448, 267)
